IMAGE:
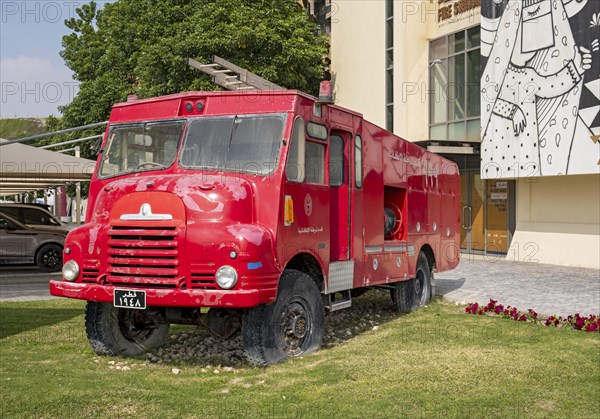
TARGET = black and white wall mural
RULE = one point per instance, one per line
(540, 85)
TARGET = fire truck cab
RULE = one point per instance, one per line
(267, 207)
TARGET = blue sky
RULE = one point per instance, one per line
(34, 79)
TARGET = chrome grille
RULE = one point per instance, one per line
(202, 276)
(89, 274)
(143, 255)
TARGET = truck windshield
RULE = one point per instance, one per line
(140, 147)
(247, 143)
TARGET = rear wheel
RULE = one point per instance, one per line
(414, 293)
(291, 326)
(121, 331)
(49, 258)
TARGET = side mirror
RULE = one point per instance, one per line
(97, 147)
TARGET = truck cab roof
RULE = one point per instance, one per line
(201, 103)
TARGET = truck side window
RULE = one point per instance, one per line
(336, 161)
(315, 162)
(358, 171)
(294, 168)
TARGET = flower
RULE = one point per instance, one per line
(472, 308)
(490, 306)
(589, 324)
(595, 20)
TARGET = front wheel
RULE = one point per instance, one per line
(292, 326)
(409, 295)
(120, 331)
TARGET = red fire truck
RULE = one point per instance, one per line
(268, 208)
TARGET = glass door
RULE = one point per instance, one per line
(472, 197)
(485, 214)
(497, 216)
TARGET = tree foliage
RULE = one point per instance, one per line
(140, 46)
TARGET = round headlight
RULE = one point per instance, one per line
(226, 277)
(70, 270)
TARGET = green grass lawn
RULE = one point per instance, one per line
(437, 362)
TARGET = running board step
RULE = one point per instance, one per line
(335, 304)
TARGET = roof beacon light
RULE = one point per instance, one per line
(326, 92)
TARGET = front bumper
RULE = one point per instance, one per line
(166, 297)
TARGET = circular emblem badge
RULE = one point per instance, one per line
(308, 205)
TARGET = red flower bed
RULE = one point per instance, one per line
(588, 324)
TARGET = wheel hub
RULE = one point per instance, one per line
(418, 286)
(135, 324)
(51, 259)
(297, 327)
(294, 328)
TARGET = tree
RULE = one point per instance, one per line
(140, 47)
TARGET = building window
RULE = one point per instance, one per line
(320, 12)
(389, 65)
(454, 78)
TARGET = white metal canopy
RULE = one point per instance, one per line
(25, 168)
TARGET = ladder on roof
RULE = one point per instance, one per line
(232, 77)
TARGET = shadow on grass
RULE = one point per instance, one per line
(19, 319)
(195, 346)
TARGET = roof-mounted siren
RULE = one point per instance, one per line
(326, 92)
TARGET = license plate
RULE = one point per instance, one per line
(130, 299)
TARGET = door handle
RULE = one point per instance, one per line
(470, 223)
(466, 225)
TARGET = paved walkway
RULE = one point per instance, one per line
(547, 289)
(25, 283)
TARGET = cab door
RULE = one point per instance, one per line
(340, 189)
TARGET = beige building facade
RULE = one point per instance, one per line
(508, 89)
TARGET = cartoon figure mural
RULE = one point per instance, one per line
(540, 108)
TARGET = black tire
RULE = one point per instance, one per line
(409, 295)
(292, 326)
(119, 331)
(49, 258)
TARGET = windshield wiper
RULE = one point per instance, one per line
(234, 126)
